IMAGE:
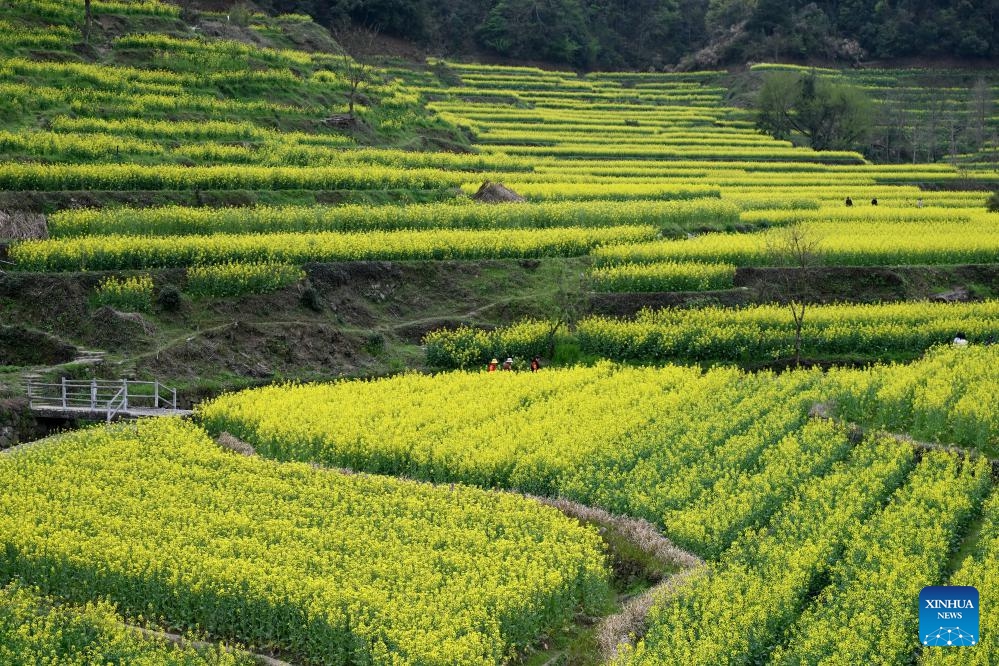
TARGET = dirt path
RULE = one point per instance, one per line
(186, 338)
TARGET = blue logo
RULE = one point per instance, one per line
(948, 616)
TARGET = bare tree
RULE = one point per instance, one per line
(953, 125)
(979, 111)
(356, 75)
(569, 302)
(918, 133)
(795, 249)
(937, 108)
(88, 18)
(892, 127)
(354, 72)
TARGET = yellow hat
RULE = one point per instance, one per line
(494, 361)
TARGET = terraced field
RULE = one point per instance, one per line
(159, 542)
(807, 528)
(660, 137)
(181, 185)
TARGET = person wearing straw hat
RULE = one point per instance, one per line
(493, 364)
(508, 363)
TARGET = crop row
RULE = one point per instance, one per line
(134, 294)
(549, 96)
(234, 279)
(177, 130)
(707, 175)
(626, 167)
(756, 333)
(662, 276)
(861, 212)
(836, 244)
(87, 75)
(140, 252)
(736, 610)
(730, 503)
(616, 192)
(947, 397)
(664, 140)
(887, 561)
(90, 81)
(179, 220)
(326, 567)
(113, 104)
(72, 11)
(612, 129)
(667, 152)
(980, 570)
(278, 149)
(166, 177)
(35, 630)
(72, 147)
(215, 54)
(271, 146)
(665, 114)
(50, 37)
(468, 347)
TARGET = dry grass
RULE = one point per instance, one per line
(20, 225)
(234, 444)
(628, 626)
(641, 533)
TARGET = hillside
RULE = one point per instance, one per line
(147, 87)
(179, 120)
(690, 34)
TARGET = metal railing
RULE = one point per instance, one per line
(108, 396)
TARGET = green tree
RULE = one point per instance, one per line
(724, 15)
(553, 30)
(831, 116)
(776, 104)
(403, 18)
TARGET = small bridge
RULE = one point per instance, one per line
(102, 399)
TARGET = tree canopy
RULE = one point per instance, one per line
(654, 33)
(830, 115)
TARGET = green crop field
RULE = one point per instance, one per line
(751, 436)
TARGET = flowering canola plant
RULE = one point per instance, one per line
(326, 567)
(35, 630)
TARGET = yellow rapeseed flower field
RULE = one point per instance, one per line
(326, 567)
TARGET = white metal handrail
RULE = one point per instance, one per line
(121, 397)
(96, 395)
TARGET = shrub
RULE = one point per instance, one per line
(169, 299)
(310, 298)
